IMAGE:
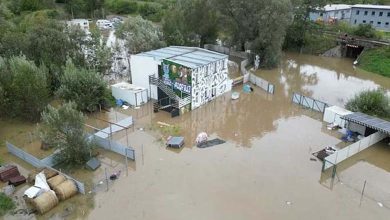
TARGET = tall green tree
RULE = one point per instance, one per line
(23, 89)
(191, 22)
(84, 87)
(43, 40)
(257, 25)
(100, 55)
(63, 129)
(302, 27)
(140, 35)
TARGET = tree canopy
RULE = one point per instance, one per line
(140, 35)
(259, 26)
(63, 129)
(84, 87)
(191, 22)
(23, 88)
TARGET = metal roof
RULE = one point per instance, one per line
(334, 7)
(369, 121)
(372, 6)
(191, 57)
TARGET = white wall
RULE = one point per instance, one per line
(353, 149)
(209, 82)
(141, 68)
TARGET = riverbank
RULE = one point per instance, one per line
(376, 61)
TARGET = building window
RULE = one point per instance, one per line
(388, 14)
(321, 14)
(387, 24)
(355, 21)
(379, 23)
(357, 12)
(373, 13)
(380, 14)
(371, 22)
(364, 21)
(365, 12)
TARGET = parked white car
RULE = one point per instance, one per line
(104, 24)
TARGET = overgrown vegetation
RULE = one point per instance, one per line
(23, 88)
(150, 10)
(85, 88)
(372, 102)
(63, 129)
(376, 60)
(6, 204)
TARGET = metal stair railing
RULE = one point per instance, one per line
(177, 101)
(160, 84)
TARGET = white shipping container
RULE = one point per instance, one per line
(134, 95)
(333, 114)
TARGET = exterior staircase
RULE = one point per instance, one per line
(174, 100)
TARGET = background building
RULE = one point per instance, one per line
(332, 13)
(376, 15)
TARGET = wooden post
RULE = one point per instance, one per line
(127, 165)
(361, 197)
(142, 154)
(105, 171)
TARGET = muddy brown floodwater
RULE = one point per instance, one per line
(264, 170)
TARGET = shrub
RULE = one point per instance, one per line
(372, 102)
(6, 204)
(365, 30)
(84, 87)
(63, 129)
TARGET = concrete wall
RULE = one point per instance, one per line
(141, 68)
(209, 82)
(380, 20)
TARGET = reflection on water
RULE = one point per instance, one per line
(332, 80)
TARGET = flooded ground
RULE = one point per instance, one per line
(264, 171)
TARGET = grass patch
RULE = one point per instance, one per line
(376, 60)
(6, 204)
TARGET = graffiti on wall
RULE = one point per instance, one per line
(177, 76)
(209, 82)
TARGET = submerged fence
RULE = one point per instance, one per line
(246, 75)
(114, 146)
(256, 80)
(263, 84)
(46, 162)
(352, 149)
(308, 102)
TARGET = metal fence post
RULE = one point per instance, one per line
(127, 165)
(105, 171)
(361, 197)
